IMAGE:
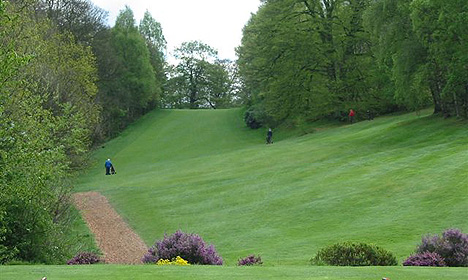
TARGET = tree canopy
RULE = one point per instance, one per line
(200, 79)
(313, 59)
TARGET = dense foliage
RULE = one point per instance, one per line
(452, 247)
(200, 79)
(354, 254)
(131, 90)
(190, 247)
(310, 59)
(46, 118)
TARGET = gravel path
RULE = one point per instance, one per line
(117, 241)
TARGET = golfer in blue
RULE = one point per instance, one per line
(108, 166)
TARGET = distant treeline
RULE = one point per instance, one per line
(302, 60)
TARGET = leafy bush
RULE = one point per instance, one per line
(190, 247)
(354, 254)
(452, 246)
(177, 261)
(250, 260)
(84, 258)
(255, 117)
(425, 259)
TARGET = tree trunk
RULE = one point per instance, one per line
(436, 100)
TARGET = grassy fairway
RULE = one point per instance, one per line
(388, 182)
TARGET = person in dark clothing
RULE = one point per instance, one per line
(269, 139)
(108, 166)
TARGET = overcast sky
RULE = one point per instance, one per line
(217, 23)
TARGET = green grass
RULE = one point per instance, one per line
(388, 182)
(79, 235)
(145, 272)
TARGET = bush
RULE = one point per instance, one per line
(255, 117)
(84, 258)
(190, 247)
(354, 254)
(452, 246)
(425, 259)
(250, 260)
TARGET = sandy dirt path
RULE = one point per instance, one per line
(117, 241)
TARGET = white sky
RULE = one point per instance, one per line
(217, 23)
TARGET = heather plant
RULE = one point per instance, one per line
(84, 258)
(452, 246)
(250, 260)
(354, 254)
(150, 256)
(190, 247)
(424, 259)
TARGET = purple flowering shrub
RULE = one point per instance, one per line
(84, 258)
(425, 259)
(250, 260)
(190, 247)
(150, 256)
(452, 246)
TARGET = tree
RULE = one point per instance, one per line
(79, 17)
(398, 52)
(423, 46)
(440, 26)
(303, 60)
(128, 85)
(202, 78)
(151, 30)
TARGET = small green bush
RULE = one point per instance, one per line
(354, 254)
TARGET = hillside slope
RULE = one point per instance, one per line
(388, 181)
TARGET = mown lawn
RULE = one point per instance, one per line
(144, 272)
(387, 181)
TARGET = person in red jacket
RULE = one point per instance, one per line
(351, 115)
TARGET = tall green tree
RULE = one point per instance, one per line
(308, 59)
(440, 26)
(200, 79)
(422, 45)
(128, 87)
(398, 52)
(151, 30)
